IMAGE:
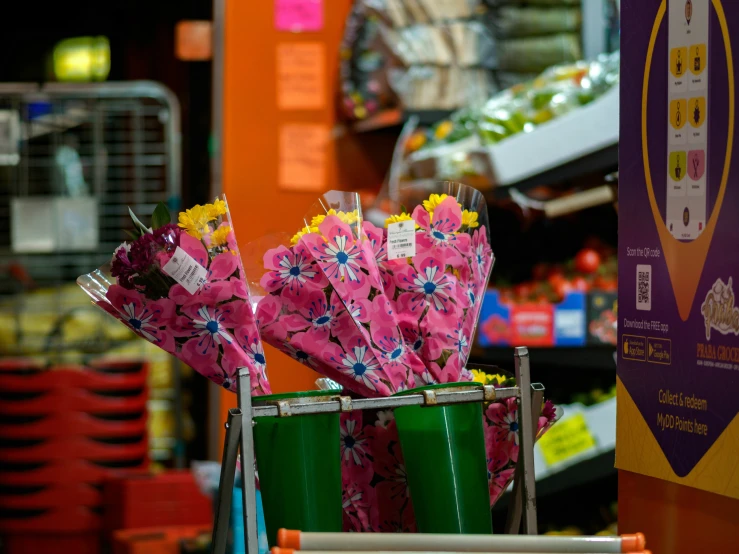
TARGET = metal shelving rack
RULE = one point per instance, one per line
(242, 419)
(126, 139)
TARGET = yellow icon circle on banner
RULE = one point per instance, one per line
(678, 113)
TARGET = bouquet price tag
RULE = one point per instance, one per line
(566, 439)
(186, 271)
(401, 240)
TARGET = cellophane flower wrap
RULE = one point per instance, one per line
(324, 303)
(376, 497)
(500, 422)
(437, 292)
(182, 287)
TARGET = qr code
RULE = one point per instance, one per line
(644, 287)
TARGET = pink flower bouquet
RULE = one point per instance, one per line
(437, 276)
(182, 287)
(324, 303)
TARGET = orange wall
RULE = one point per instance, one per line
(677, 519)
(250, 140)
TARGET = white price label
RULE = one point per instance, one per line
(401, 239)
(186, 271)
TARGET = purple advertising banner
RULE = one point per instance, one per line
(678, 255)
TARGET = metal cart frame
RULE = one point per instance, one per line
(242, 419)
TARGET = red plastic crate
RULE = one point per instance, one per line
(20, 366)
(68, 519)
(58, 543)
(69, 424)
(171, 498)
(19, 497)
(74, 400)
(71, 377)
(64, 448)
(61, 471)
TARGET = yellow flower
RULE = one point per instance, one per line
(304, 231)
(347, 217)
(396, 218)
(487, 378)
(195, 221)
(220, 236)
(318, 219)
(470, 219)
(433, 201)
(218, 207)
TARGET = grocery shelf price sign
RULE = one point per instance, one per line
(568, 439)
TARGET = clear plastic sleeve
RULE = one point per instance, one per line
(437, 293)
(182, 288)
(323, 301)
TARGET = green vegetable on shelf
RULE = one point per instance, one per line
(521, 108)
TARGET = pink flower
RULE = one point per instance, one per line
(440, 238)
(460, 341)
(316, 315)
(247, 337)
(150, 319)
(424, 345)
(208, 328)
(393, 494)
(498, 452)
(298, 349)
(339, 255)
(357, 362)
(499, 483)
(549, 411)
(428, 285)
(353, 446)
(267, 319)
(398, 362)
(503, 418)
(291, 271)
(360, 507)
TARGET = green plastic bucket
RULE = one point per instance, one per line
(299, 464)
(444, 453)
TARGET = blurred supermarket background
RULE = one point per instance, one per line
(111, 105)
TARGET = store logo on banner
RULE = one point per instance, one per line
(718, 309)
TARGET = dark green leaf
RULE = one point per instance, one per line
(131, 234)
(139, 226)
(161, 216)
(403, 209)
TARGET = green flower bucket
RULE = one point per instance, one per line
(444, 452)
(299, 464)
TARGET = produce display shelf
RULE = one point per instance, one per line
(591, 130)
(603, 161)
(598, 358)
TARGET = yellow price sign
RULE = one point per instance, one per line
(566, 439)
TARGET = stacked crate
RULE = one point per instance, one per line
(63, 430)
